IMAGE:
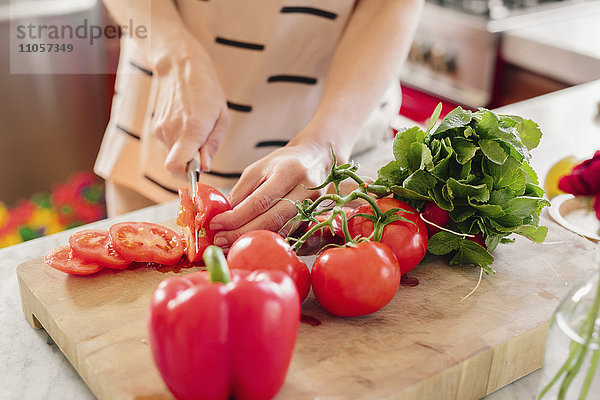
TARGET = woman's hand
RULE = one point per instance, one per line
(258, 197)
(190, 113)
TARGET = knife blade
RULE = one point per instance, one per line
(193, 173)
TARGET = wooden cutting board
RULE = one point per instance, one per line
(425, 344)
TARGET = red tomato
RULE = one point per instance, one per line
(195, 215)
(185, 219)
(63, 260)
(432, 213)
(354, 281)
(146, 242)
(337, 223)
(95, 246)
(267, 250)
(408, 241)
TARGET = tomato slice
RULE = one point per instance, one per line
(185, 219)
(63, 260)
(207, 203)
(146, 242)
(95, 246)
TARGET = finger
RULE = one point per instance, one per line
(252, 177)
(274, 219)
(260, 201)
(184, 149)
(210, 147)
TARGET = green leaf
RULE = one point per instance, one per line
(457, 189)
(464, 149)
(443, 243)
(402, 142)
(434, 117)
(508, 175)
(501, 197)
(457, 118)
(465, 171)
(493, 151)
(533, 190)
(461, 213)
(470, 252)
(442, 169)
(531, 176)
(530, 133)
(469, 132)
(535, 233)
(391, 174)
(490, 127)
(419, 157)
(438, 197)
(489, 210)
(420, 181)
(525, 206)
(492, 241)
(405, 193)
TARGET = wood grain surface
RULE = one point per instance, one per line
(425, 344)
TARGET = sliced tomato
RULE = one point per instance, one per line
(63, 260)
(185, 219)
(207, 203)
(95, 246)
(146, 242)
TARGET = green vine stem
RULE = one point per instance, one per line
(577, 354)
(339, 201)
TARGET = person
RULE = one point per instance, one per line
(260, 89)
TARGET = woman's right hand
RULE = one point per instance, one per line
(190, 113)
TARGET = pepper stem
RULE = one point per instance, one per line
(216, 264)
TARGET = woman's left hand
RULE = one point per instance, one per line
(258, 197)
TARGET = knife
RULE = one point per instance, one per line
(193, 173)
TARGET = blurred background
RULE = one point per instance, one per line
(473, 53)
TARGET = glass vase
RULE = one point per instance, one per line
(571, 367)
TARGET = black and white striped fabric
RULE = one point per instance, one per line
(272, 59)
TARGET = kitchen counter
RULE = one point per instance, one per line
(33, 367)
(560, 45)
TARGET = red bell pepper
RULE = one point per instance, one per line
(215, 335)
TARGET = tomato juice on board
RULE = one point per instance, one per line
(409, 281)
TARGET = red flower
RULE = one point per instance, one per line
(584, 179)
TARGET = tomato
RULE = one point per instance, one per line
(262, 249)
(146, 242)
(63, 260)
(357, 280)
(407, 240)
(195, 214)
(95, 246)
(433, 213)
(185, 219)
(336, 223)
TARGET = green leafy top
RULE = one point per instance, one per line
(476, 166)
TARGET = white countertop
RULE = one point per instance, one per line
(565, 46)
(32, 367)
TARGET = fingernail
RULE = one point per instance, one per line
(221, 241)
